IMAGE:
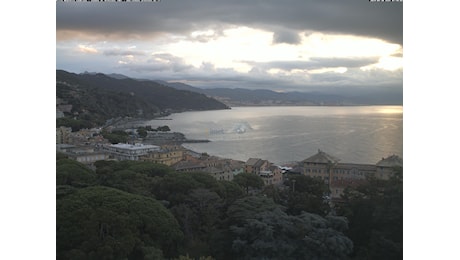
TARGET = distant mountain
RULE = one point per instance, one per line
(100, 97)
(247, 97)
(117, 76)
(181, 86)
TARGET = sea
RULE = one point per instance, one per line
(283, 135)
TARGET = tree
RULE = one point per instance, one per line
(105, 223)
(142, 132)
(75, 124)
(247, 180)
(128, 180)
(231, 191)
(198, 216)
(147, 168)
(262, 230)
(116, 137)
(375, 211)
(307, 195)
(164, 128)
(175, 187)
(71, 172)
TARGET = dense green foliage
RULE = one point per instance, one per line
(116, 137)
(104, 223)
(164, 128)
(75, 124)
(142, 210)
(71, 172)
(248, 180)
(375, 212)
(273, 234)
(305, 194)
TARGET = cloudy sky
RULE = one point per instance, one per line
(280, 45)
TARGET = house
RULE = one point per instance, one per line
(270, 174)
(255, 165)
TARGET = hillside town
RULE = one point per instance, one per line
(88, 146)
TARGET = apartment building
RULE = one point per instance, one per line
(341, 175)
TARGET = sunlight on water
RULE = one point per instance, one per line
(391, 110)
(358, 134)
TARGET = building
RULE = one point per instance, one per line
(219, 168)
(168, 155)
(83, 154)
(63, 135)
(352, 171)
(386, 166)
(338, 175)
(256, 165)
(270, 174)
(219, 174)
(187, 166)
(319, 165)
(130, 151)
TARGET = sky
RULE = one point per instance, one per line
(293, 45)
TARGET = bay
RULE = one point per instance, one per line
(354, 134)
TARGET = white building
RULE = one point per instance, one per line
(130, 151)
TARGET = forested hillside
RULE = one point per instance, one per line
(96, 98)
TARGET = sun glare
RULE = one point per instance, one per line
(391, 110)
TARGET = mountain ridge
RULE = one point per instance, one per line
(97, 97)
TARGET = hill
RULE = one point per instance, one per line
(96, 97)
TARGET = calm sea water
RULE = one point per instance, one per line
(361, 134)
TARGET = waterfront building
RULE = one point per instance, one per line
(130, 151)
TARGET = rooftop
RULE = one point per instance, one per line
(391, 161)
(252, 161)
(135, 146)
(321, 157)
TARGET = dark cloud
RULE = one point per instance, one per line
(286, 37)
(140, 20)
(344, 62)
(123, 53)
(315, 63)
